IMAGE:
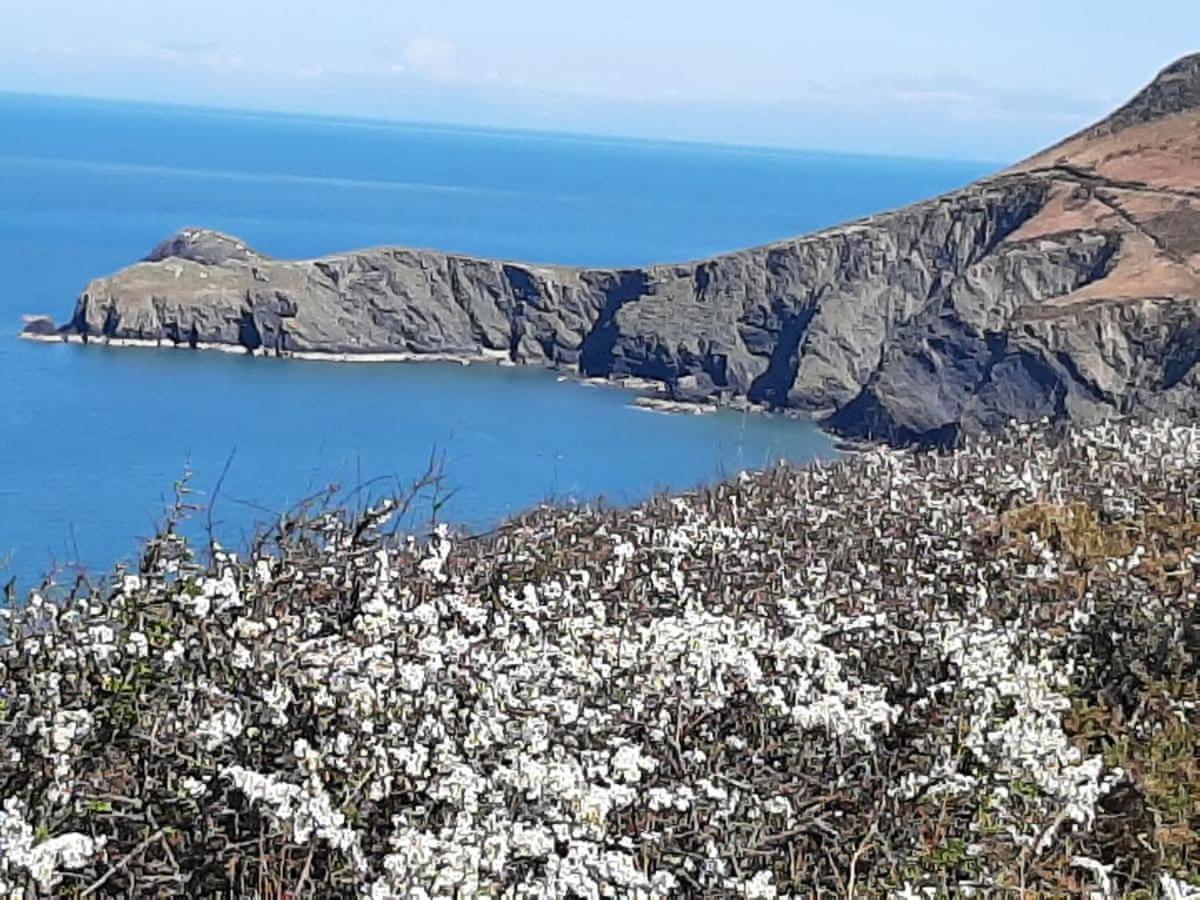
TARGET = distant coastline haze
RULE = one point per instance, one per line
(928, 78)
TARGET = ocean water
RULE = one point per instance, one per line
(92, 439)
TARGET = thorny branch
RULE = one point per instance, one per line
(902, 674)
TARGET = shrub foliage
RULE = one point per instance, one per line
(901, 674)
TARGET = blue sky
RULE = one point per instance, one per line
(982, 80)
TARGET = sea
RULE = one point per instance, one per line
(93, 441)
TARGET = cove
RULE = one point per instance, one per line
(92, 439)
(129, 422)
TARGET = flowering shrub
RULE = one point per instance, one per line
(904, 674)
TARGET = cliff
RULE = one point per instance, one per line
(1067, 286)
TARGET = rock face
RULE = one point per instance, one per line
(1068, 286)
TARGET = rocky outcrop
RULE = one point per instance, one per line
(1062, 288)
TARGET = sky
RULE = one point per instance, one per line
(991, 81)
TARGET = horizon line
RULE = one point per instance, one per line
(493, 130)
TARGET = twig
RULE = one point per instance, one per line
(121, 864)
(212, 503)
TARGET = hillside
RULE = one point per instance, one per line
(907, 675)
(1064, 287)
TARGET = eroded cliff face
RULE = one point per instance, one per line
(1061, 288)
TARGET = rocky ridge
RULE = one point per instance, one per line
(1066, 287)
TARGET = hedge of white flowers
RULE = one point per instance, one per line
(865, 678)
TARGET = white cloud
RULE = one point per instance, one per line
(190, 48)
(185, 54)
(431, 57)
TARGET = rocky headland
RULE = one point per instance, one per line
(1066, 287)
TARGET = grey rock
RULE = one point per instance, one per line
(957, 313)
(38, 327)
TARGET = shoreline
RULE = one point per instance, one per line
(649, 395)
(494, 357)
(674, 407)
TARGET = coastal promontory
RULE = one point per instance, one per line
(1066, 287)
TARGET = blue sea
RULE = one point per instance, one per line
(92, 439)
